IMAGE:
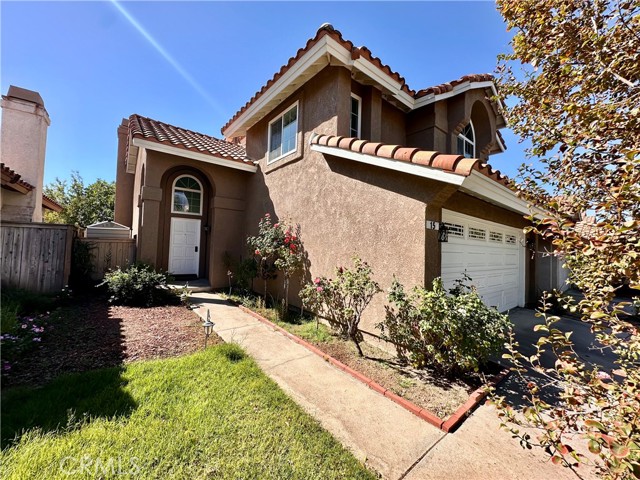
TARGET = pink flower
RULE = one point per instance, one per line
(257, 252)
(319, 289)
(23, 326)
(267, 215)
(276, 225)
(37, 339)
(317, 281)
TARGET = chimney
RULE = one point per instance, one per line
(23, 140)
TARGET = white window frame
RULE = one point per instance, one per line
(173, 190)
(467, 140)
(275, 120)
(359, 99)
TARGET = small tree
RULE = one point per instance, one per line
(82, 204)
(343, 299)
(289, 259)
(574, 77)
(265, 247)
(277, 247)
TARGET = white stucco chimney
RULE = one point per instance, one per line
(23, 139)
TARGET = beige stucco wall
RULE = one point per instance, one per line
(23, 141)
(222, 223)
(343, 207)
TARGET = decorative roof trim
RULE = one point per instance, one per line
(455, 164)
(328, 42)
(12, 181)
(51, 204)
(202, 157)
(392, 164)
(469, 174)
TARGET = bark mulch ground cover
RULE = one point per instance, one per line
(426, 387)
(90, 333)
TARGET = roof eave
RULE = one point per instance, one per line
(484, 188)
(202, 157)
(399, 166)
(318, 57)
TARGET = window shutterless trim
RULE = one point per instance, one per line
(281, 118)
(468, 140)
(359, 114)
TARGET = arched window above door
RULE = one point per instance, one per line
(187, 196)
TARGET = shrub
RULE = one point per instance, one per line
(243, 271)
(343, 299)
(139, 285)
(82, 265)
(453, 332)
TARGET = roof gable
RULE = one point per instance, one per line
(328, 47)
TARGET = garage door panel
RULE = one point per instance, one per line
(493, 264)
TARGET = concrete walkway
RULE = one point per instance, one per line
(380, 433)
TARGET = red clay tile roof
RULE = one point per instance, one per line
(10, 178)
(163, 133)
(449, 86)
(449, 163)
(51, 204)
(356, 52)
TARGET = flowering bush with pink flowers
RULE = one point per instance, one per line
(277, 247)
(342, 300)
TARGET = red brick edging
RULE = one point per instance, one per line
(447, 425)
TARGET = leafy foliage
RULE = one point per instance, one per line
(277, 247)
(82, 204)
(243, 271)
(577, 93)
(453, 332)
(343, 300)
(139, 285)
(81, 265)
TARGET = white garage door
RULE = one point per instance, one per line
(490, 253)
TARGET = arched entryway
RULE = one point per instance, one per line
(186, 222)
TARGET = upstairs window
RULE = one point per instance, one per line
(187, 196)
(467, 141)
(283, 134)
(356, 114)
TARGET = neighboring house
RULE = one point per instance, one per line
(336, 142)
(23, 141)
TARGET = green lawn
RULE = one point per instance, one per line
(212, 414)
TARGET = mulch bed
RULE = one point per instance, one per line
(93, 334)
(426, 388)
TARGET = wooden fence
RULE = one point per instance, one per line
(36, 256)
(110, 253)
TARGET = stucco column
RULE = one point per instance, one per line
(124, 180)
(372, 115)
(148, 232)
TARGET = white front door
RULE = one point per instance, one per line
(184, 246)
(490, 253)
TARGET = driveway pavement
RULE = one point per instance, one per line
(380, 433)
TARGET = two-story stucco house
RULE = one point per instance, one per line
(337, 142)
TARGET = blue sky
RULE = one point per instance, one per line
(201, 61)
